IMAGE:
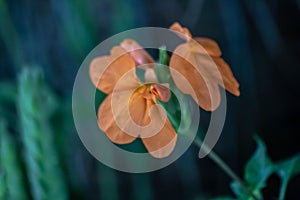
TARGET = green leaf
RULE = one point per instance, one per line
(36, 103)
(259, 167)
(242, 194)
(257, 170)
(12, 182)
(239, 191)
(286, 170)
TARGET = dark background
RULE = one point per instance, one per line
(259, 39)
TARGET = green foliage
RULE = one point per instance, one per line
(242, 194)
(12, 183)
(286, 170)
(35, 106)
(259, 168)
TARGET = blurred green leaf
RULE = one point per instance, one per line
(257, 170)
(241, 193)
(286, 170)
(12, 177)
(259, 167)
(35, 105)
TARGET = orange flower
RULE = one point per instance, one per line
(130, 110)
(142, 59)
(190, 58)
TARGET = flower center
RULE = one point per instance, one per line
(152, 90)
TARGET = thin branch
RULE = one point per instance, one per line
(212, 155)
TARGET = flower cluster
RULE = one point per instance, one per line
(131, 109)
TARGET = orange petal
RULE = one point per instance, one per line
(136, 112)
(177, 27)
(199, 70)
(109, 126)
(162, 92)
(146, 113)
(163, 143)
(230, 83)
(139, 106)
(112, 68)
(137, 52)
(209, 45)
(212, 48)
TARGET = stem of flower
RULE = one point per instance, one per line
(214, 157)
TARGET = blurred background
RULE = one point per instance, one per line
(43, 43)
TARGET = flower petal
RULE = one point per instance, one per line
(143, 60)
(230, 83)
(209, 45)
(137, 52)
(177, 27)
(136, 112)
(112, 68)
(161, 91)
(163, 143)
(109, 126)
(139, 106)
(199, 70)
(146, 113)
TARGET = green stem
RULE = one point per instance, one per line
(283, 190)
(213, 156)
